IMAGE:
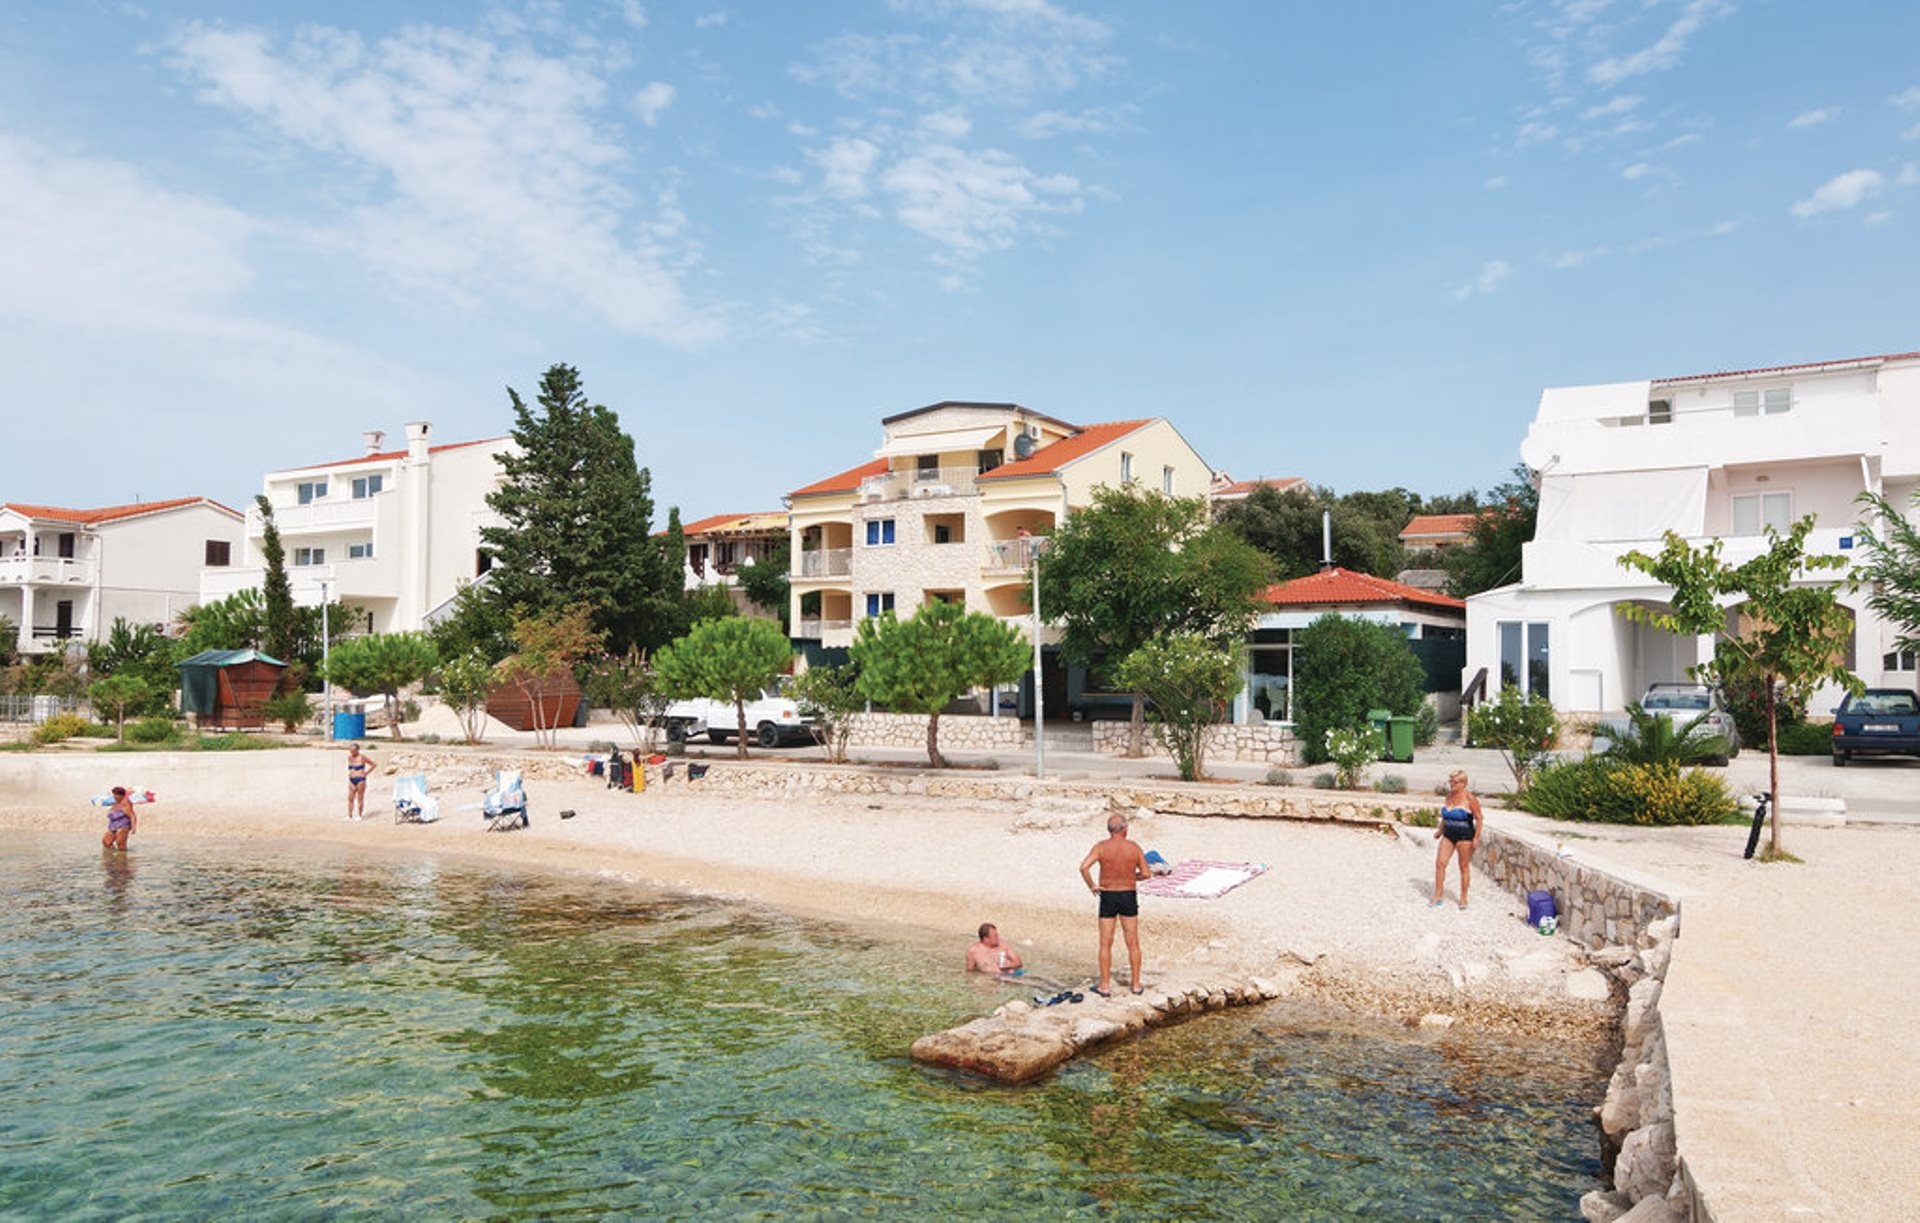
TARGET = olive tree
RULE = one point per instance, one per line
(922, 664)
(1189, 680)
(1795, 632)
(733, 658)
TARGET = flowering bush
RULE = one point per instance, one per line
(1523, 728)
(1350, 750)
(1608, 790)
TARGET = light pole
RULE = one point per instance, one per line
(326, 652)
(1039, 679)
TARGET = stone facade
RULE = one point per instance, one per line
(958, 732)
(1262, 743)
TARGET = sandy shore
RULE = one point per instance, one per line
(1349, 902)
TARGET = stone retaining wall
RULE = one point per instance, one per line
(1597, 909)
(958, 732)
(1242, 743)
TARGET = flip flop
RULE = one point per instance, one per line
(1102, 992)
(1138, 989)
(1434, 904)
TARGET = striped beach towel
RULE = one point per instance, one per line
(1200, 879)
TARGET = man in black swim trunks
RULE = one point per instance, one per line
(1122, 867)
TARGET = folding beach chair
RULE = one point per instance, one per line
(411, 802)
(505, 806)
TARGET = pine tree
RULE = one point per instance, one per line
(276, 591)
(578, 514)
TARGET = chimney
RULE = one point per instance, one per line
(373, 438)
(417, 438)
(1326, 540)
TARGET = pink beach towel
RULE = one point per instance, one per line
(1200, 879)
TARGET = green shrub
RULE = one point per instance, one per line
(61, 727)
(1325, 781)
(289, 708)
(151, 730)
(1350, 750)
(1522, 728)
(1607, 790)
(1344, 668)
(1392, 783)
(1801, 739)
(1651, 738)
(1426, 817)
(231, 741)
(1426, 724)
(1279, 777)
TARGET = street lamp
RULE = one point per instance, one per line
(1039, 680)
(326, 643)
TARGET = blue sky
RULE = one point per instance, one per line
(1349, 242)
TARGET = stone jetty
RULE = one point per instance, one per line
(1020, 1042)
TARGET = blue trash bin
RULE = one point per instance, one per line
(349, 725)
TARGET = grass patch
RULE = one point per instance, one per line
(1769, 854)
(1426, 817)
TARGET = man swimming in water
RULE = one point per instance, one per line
(993, 954)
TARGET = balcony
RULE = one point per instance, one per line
(1563, 564)
(1012, 555)
(345, 514)
(920, 483)
(815, 629)
(46, 571)
(823, 563)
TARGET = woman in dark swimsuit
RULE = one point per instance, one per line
(1461, 822)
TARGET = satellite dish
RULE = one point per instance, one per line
(1023, 445)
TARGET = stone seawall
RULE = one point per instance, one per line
(1597, 908)
(1249, 743)
(958, 732)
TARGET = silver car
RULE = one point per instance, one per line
(1682, 703)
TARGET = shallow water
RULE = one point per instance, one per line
(198, 1029)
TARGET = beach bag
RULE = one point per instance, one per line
(1540, 908)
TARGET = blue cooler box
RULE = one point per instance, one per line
(1539, 905)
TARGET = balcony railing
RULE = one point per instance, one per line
(31, 570)
(921, 482)
(1013, 555)
(824, 563)
(820, 628)
(57, 632)
(327, 514)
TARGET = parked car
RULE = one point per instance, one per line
(772, 719)
(1878, 722)
(1685, 703)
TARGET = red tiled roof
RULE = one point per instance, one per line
(846, 482)
(1439, 524)
(1055, 455)
(113, 512)
(1242, 488)
(389, 455)
(722, 522)
(1787, 369)
(1343, 586)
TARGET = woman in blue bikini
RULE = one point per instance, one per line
(1460, 824)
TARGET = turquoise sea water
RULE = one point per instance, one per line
(205, 1030)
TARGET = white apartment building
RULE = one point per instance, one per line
(67, 574)
(391, 533)
(1709, 456)
(720, 545)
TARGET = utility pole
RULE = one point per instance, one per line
(1039, 679)
(326, 652)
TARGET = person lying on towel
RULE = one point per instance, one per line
(993, 954)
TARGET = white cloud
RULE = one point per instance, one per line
(633, 14)
(1493, 274)
(479, 167)
(971, 203)
(1684, 139)
(1812, 118)
(1909, 100)
(1666, 52)
(710, 21)
(1877, 218)
(844, 166)
(1840, 192)
(1049, 123)
(1639, 170)
(649, 102)
(1534, 132)
(1613, 106)
(1498, 182)
(1004, 52)
(945, 125)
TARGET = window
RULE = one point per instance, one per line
(1753, 511)
(219, 552)
(1126, 468)
(697, 558)
(942, 533)
(1524, 657)
(990, 459)
(366, 486)
(360, 552)
(1899, 660)
(879, 531)
(1660, 412)
(1769, 402)
(482, 561)
(926, 467)
(311, 491)
(879, 604)
(1166, 480)
(309, 556)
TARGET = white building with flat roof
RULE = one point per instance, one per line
(390, 533)
(1708, 456)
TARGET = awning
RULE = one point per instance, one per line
(947, 442)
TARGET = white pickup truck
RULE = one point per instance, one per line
(772, 719)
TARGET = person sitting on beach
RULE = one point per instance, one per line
(1461, 822)
(1122, 867)
(121, 822)
(992, 954)
(358, 766)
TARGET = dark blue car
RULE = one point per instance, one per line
(1880, 721)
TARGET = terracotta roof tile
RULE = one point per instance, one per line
(1242, 488)
(386, 456)
(758, 520)
(1055, 455)
(113, 512)
(1439, 524)
(846, 482)
(1788, 369)
(1345, 587)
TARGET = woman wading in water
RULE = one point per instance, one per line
(1460, 824)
